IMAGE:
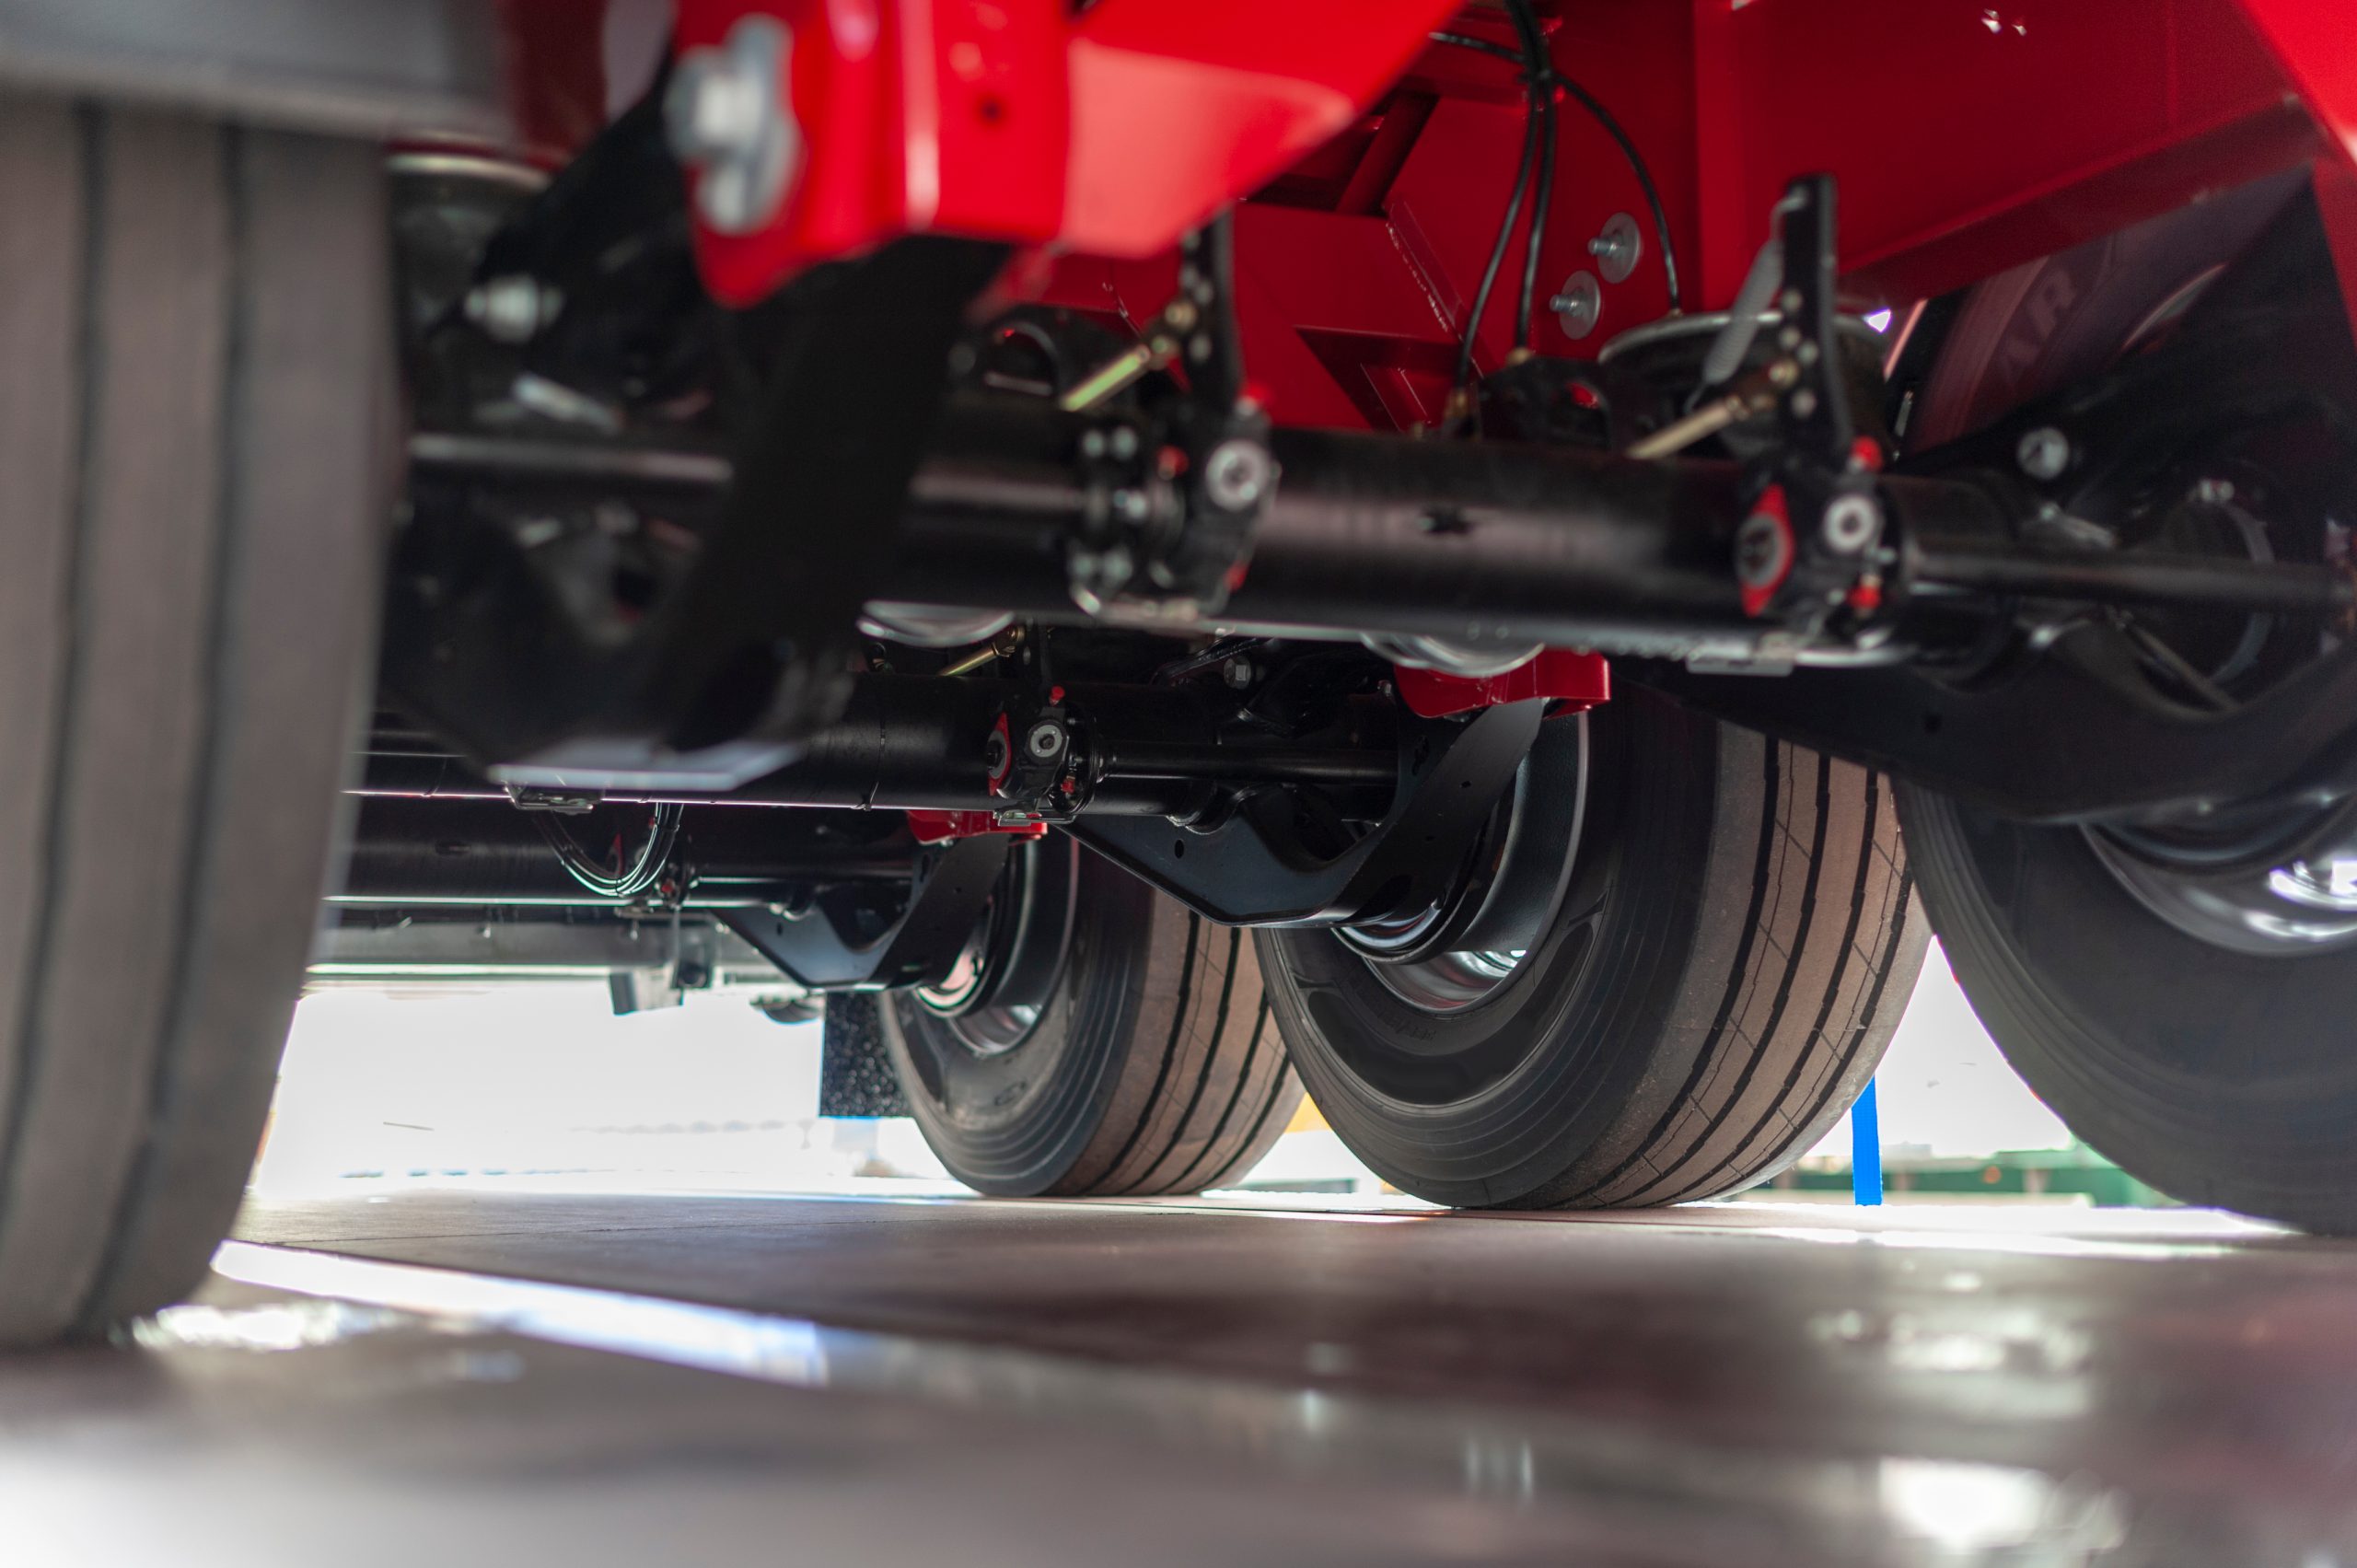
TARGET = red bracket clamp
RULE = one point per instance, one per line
(1577, 681)
(940, 827)
(1764, 550)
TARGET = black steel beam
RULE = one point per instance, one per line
(921, 742)
(487, 852)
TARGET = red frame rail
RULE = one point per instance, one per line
(1967, 137)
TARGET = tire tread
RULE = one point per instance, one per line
(1802, 1068)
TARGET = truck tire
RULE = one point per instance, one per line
(1727, 959)
(2207, 1058)
(193, 326)
(1147, 1067)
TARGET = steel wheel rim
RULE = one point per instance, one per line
(1013, 965)
(1471, 946)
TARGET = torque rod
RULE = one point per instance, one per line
(2128, 578)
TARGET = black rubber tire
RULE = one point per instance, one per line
(194, 325)
(1734, 951)
(1153, 1069)
(2217, 1077)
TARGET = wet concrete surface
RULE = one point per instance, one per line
(477, 1377)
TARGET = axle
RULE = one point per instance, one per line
(1393, 537)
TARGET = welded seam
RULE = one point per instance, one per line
(187, 923)
(89, 357)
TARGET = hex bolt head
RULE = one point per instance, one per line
(1045, 741)
(727, 119)
(1238, 673)
(995, 754)
(1851, 523)
(2043, 453)
(512, 308)
(1237, 474)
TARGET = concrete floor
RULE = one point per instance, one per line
(710, 1378)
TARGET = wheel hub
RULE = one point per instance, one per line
(1011, 967)
(2265, 888)
(1469, 943)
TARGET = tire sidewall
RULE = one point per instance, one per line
(1013, 1123)
(2084, 989)
(1574, 1101)
(2096, 1002)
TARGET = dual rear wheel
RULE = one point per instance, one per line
(1715, 939)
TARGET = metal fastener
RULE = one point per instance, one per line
(1237, 673)
(1045, 741)
(2043, 453)
(513, 308)
(1237, 474)
(1578, 305)
(1618, 248)
(729, 120)
(1851, 522)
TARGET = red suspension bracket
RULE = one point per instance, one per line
(1576, 680)
(941, 827)
(815, 129)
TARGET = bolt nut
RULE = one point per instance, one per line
(1045, 741)
(2043, 453)
(1851, 523)
(1237, 474)
(1578, 305)
(2213, 492)
(1618, 248)
(995, 754)
(1763, 551)
(1237, 672)
(513, 308)
(729, 120)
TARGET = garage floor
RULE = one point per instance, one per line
(711, 1378)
